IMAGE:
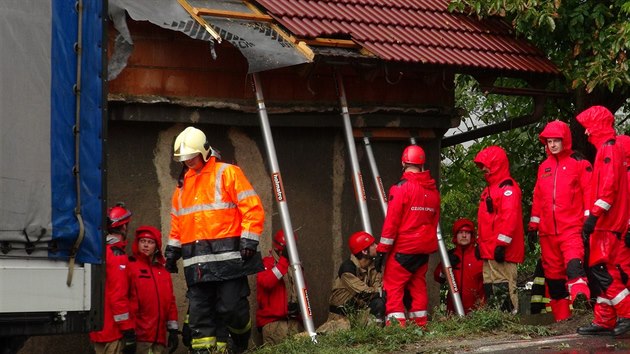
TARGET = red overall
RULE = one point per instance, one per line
(409, 236)
(610, 205)
(560, 202)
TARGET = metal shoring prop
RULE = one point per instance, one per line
(378, 182)
(359, 188)
(278, 189)
(448, 269)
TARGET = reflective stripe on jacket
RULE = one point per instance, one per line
(213, 213)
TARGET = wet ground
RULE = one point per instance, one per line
(566, 344)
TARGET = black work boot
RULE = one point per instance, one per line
(622, 327)
(240, 341)
(594, 330)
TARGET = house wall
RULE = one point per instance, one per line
(171, 81)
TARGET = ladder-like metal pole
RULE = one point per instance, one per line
(281, 200)
(378, 182)
(359, 188)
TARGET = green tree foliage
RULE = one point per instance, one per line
(588, 40)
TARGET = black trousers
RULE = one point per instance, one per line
(215, 306)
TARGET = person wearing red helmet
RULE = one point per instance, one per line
(277, 316)
(500, 228)
(559, 204)
(357, 286)
(606, 224)
(467, 268)
(118, 333)
(151, 294)
(408, 237)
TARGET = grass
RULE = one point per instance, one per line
(375, 339)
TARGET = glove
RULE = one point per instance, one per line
(626, 240)
(589, 225)
(248, 248)
(247, 253)
(129, 341)
(173, 340)
(452, 257)
(186, 335)
(588, 228)
(171, 265)
(532, 238)
(499, 254)
(378, 261)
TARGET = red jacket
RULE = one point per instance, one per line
(151, 295)
(609, 197)
(560, 199)
(271, 293)
(502, 224)
(413, 212)
(116, 316)
(468, 273)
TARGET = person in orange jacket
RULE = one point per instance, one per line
(408, 237)
(606, 224)
(560, 200)
(467, 267)
(216, 224)
(118, 333)
(501, 235)
(151, 294)
(277, 316)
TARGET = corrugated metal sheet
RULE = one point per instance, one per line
(421, 31)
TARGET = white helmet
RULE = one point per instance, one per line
(189, 143)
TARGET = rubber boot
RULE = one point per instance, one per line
(560, 309)
(502, 297)
(594, 330)
(240, 341)
(622, 327)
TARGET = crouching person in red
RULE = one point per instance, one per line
(151, 295)
(467, 267)
(277, 316)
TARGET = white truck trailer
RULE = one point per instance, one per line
(52, 167)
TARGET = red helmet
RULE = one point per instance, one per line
(118, 216)
(359, 241)
(413, 155)
(279, 242)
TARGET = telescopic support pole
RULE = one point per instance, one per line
(278, 188)
(378, 182)
(359, 188)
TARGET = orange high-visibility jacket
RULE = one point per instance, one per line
(213, 214)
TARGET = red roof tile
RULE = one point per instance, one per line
(421, 31)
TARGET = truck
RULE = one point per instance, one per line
(53, 107)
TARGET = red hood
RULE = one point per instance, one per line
(423, 178)
(495, 158)
(557, 129)
(464, 223)
(151, 233)
(599, 122)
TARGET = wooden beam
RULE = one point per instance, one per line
(201, 21)
(393, 133)
(233, 14)
(330, 42)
